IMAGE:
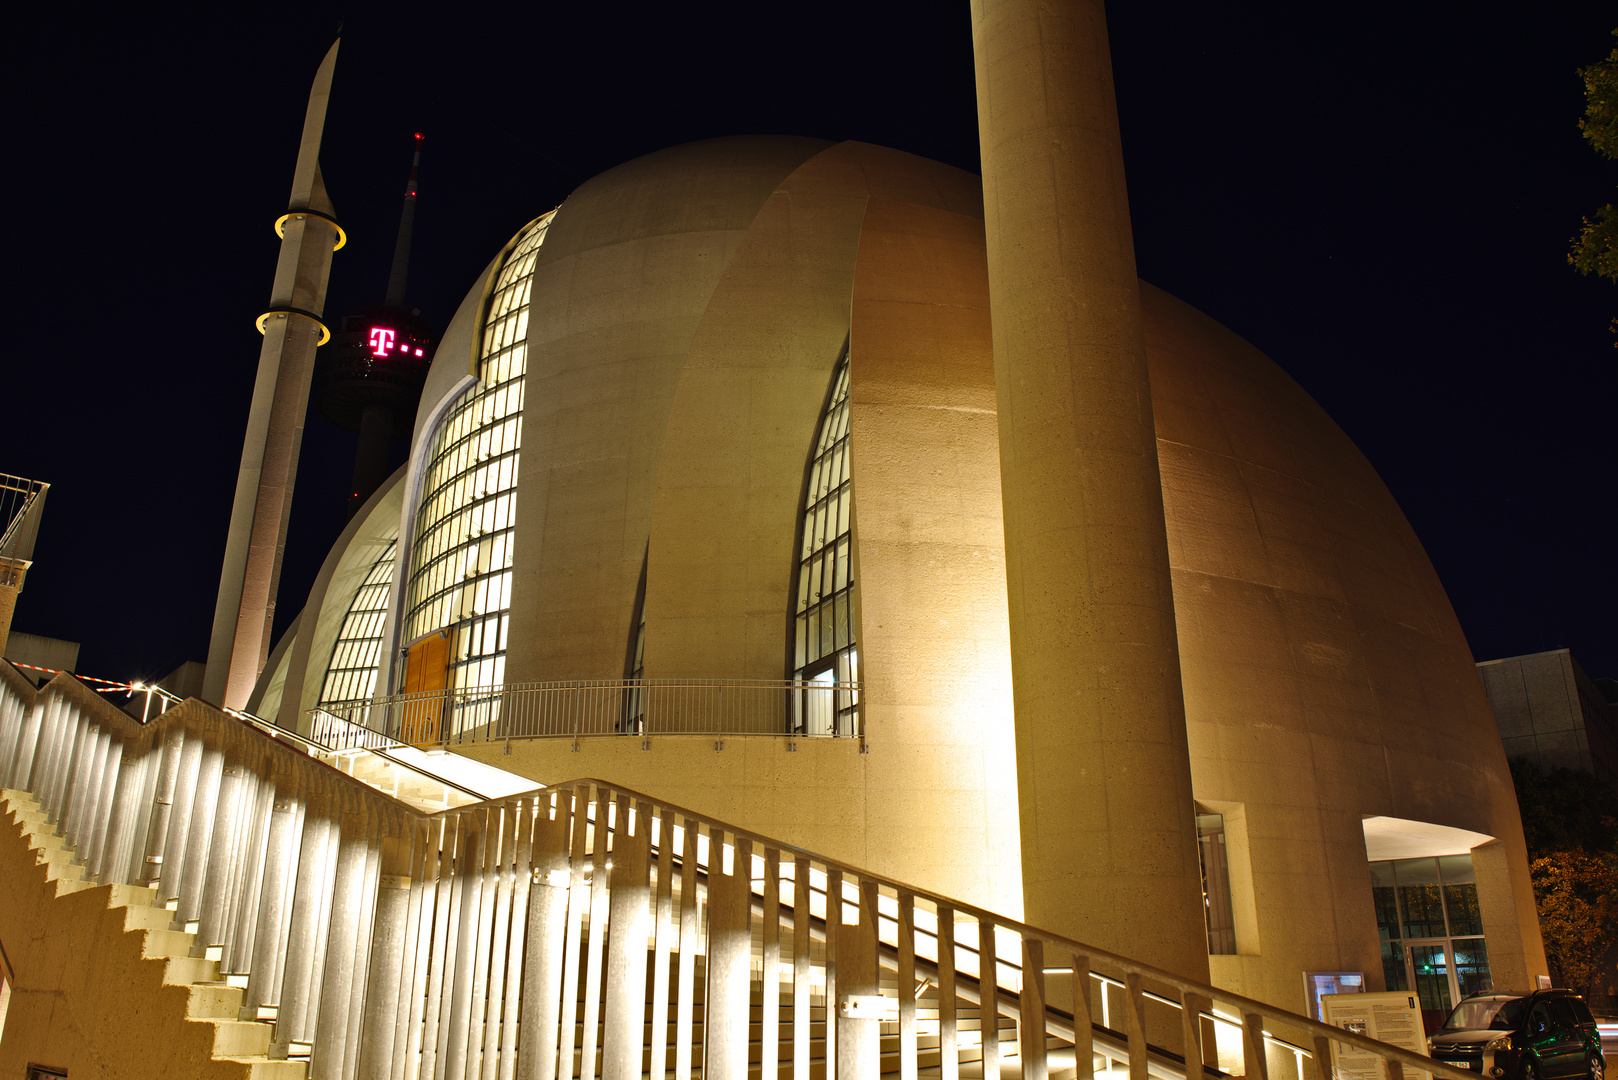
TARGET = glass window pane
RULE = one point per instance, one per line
(1419, 897)
(460, 558)
(1393, 966)
(1471, 965)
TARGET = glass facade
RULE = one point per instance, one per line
(351, 674)
(460, 566)
(824, 650)
(1427, 917)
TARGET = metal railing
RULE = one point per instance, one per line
(20, 503)
(586, 930)
(634, 707)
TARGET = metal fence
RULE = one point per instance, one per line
(20, 504)
(634, 707)
(585, 930)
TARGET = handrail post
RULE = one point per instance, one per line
(547, 941)
(1031, 1010)
(949, 1057)
(858, 1036)
(1253, 1051)
(1192, 1006)
(1135, 1009)
(989, 999)
(1083, 1019)
(1323, 1062)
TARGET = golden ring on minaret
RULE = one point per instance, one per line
(281, 225)
(325, 333)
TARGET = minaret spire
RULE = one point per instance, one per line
(369, 379)
(292, 327)
(407, 223)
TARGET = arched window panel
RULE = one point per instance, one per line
(825, 653)
(351, 674)
(460, 578)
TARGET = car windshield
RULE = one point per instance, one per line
(1485, 1014)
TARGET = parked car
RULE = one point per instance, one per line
(1545, 1035)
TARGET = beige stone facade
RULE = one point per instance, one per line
(688, 310)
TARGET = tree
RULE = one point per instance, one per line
(1564, 810)
(1578, 914)
(1595, 249)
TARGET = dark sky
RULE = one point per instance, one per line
(1379, 196)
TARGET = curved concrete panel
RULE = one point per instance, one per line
(1326, 677)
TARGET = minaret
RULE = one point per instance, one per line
(292, 329)
(369, 379)
(1109, 849)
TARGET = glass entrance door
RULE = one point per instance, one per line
(1431, 971)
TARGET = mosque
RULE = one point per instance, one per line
(1023, 581)
(730, 413)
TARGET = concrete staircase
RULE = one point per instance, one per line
(184, 1016)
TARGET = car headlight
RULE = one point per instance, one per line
(1499, 1042)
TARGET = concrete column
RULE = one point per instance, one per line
(199, 838)
(167, 776)
(294, 1017)
(184, 792)
(390, 944)
(1510, 917)
(124, 806)
(109, 756)
(222, 855)
(1103, 771)
(275, 895)
(345, 912)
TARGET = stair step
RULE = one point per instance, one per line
(161, 944)
(263, 1068)
(238, 1038)
(185, 970)
(213, 1002)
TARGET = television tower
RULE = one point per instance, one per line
(293, 328)
(369, 379)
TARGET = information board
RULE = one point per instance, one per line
(1393, 1017)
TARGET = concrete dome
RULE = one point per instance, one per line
(688, 309)
(1326, 677)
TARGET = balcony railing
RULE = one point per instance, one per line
(574, 710)
(20, 504)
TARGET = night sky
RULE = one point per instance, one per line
(1378, 196)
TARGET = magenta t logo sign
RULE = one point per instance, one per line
(381, 341)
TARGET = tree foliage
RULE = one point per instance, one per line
(1578, 914)
(1564, 810)
(1570, 821)
(1595, 249)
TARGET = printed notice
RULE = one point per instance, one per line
(1390, 1017)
